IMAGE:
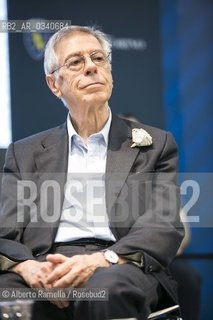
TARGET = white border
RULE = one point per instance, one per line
(5, 102)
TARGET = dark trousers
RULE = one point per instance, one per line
(131, 292)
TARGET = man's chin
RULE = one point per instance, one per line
(96, 98)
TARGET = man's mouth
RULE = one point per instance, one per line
(92, 84)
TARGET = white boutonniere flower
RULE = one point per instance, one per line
(140, 138)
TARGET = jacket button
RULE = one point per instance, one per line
(150, 268)
(37, 254)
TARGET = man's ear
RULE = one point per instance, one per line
(53, 85)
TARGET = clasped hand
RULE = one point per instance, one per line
(59, 271)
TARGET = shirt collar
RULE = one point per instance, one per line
(104, 132)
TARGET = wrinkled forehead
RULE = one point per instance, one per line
(76, 43)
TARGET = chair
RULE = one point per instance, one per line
(166, 314)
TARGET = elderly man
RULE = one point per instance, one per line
(114, 223)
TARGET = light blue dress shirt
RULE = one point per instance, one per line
(84, 209)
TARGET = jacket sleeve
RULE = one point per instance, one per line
(11, 231)
(155, 235)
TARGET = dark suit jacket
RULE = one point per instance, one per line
(141, 195)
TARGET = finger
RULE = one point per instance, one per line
(36, 283)
(43, 274)
(58, 272)
(60, 303)
(80, 282)
(47, 286)
(47, 266)
(74, 277)
(42, 277)
(40, 281)
(56, 258)
(64, 303)
(67, 280)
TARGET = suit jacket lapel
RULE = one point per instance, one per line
(120, 158)
(51, 164)
(54, 152)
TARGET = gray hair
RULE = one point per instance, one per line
(50, 57)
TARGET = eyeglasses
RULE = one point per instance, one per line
(77, 63)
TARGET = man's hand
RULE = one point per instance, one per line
(34, 273)
(75, 271)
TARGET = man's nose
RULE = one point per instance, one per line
(89, 66)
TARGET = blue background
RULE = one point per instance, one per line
(187, 42)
